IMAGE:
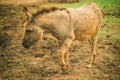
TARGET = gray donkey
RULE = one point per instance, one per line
(66, 25)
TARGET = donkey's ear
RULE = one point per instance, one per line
(28, 13)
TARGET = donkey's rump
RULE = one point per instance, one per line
(85, 20)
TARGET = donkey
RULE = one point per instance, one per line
(66, 24)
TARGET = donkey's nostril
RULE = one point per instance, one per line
(25, 45)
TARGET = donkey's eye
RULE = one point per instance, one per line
(29, 30)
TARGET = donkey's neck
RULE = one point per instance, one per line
(47, 21)
(57, 23)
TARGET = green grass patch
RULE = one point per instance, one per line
(109, 28)
(107, 4)
(110, 20)
(66, 5)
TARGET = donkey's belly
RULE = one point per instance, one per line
(84, 34)
(82, 37)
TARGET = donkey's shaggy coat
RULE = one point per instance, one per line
(66, 25)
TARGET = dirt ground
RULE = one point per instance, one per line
(40, 63)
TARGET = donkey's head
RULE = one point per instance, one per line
(32, 31)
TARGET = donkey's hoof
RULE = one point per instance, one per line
(65, 69)
(89, 66)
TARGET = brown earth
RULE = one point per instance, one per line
(40, 63)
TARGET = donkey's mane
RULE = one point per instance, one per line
(47, 10)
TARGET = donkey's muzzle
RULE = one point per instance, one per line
(25, 45)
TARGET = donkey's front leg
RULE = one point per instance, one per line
(67, 59)
(61, 52)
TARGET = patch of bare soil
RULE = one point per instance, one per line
(40, 63)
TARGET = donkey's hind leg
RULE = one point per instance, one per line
(93, 42)
(62, 52)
